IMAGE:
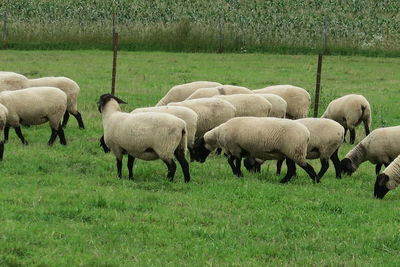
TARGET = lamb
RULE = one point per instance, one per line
(350, 111)
(211, 112)
(34, 106)
(326, 137)
(298, 99)
(279, 105)
(219, 90)
(388, 180)
(3, 121)
(181, 92)
(381, 146)
(15, 81)
(147, 136)
(184, 113)
(260, 138)
(248, 104)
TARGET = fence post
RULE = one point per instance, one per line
(114, 65)
(5, 31)
(325, 36)
(318, 85)
(221, 35)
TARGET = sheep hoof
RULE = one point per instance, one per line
(239, 174)
(25, 143)
(284, 181)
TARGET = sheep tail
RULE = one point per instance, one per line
(183, 143)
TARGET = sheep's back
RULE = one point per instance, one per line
(12, 81)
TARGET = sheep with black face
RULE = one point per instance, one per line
(147, 136)
(388, 180)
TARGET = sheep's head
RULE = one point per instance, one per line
(107, 97)
(252, 165)
(347, 166)
(199, 152)
(381, 189)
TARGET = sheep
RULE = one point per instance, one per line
(326, 137)
(219, 90)
(298, 99)
(15, 81)
(184, 113)
(3, 121)
(279, 105)
(388, 180)
(262, 138)
(34, 106)
(248, 104)
(147, 136)
(68, 86)
(350, 111)
(181, 92)
(381, 146)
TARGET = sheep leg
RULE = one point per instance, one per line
(336, 163)
(366, 127)
(352, 136)
(61, 135)
(119, 168)
(344, 136)
(180, 156)
(279, 166)
(6, 132)
(1, 149)
(238, 166)
(231, 160)
(218, 151)
(78, 117)
(171, 169)
(53, 136)
(131, 160)
(291, 169)
(324, 167)
(311, 172)
(19, 134)
(65, 119)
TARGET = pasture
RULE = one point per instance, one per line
(64, 206)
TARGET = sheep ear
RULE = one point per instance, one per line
(119, 100)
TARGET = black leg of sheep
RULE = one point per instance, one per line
(1, 149)
(119, 168)
(53, 136)
(65, 119)
(238, 166)
(352, 136)
(366, 127)
(279, 166)
(291, 170)
(324, 167)
(19, 134)
(60, 132)
(336, 163)
(171, 169)
(231, 160)
(378, 168)
(78, 117)
(6, 133)
(180, 156)
(131, 160)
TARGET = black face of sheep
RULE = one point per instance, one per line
(199, 152)
(252, 165)
(107, 97)
(380, 189)
(346, 166)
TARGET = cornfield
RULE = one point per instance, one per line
(182, 25)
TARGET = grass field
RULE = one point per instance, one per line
(64, 206)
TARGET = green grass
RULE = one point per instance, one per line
(64, 206)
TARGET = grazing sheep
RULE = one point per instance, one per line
(3, 121)
(326, 137)
(298, 99)
(248, 104)
(181, 92)
(68, 86)
(219, 90)
(388, 180)
(147, 136)
(34, 106)
(261, 138)
(279, 105)
(184, 113)
(381, 146)
(350, 111)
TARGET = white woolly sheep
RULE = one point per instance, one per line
(34, 106)
(184, 113)
(262, 138)
(279, 105)
(68, 86)
(248, 104)
(219, 90)
(147, 136)
(181, 92)
(350, 111)
(298, 99)
(3, 122)
(381, 146)
(388, 180)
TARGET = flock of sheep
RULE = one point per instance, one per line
(205, 117)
